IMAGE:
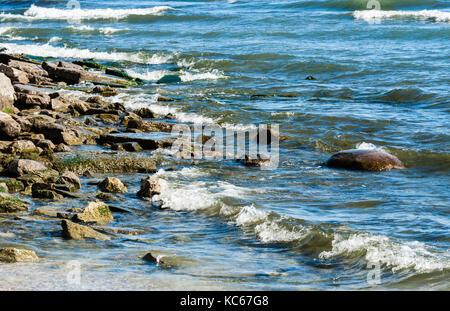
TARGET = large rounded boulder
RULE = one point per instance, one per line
(364, 160)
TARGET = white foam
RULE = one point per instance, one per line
(381, 250)
(192, 76)
(369, 146)
(269, 232)
(46, 50)
(54, 39)
(41, 13)
(104, 31)
(374, 15)
(250, 215)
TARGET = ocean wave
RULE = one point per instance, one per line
(425, 15)
(180, 193)
(377, 249)
(41, 13)
(185, 76)
(46, 50)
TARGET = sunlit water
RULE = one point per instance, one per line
(381, 82)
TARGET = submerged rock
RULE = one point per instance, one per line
(169, 79)
(150, 187)
(10, 204)
(71, 230)
(364, 160)
(97, 212)
(251, 161)
(12, 255)
(112, 184)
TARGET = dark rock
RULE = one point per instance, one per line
(145, 143)
(150, 126)
(169, 79)
(146, 113)
(250, 161)
(150, 187)
(365, 160)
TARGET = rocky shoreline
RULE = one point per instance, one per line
(40, 124)
(38, 127)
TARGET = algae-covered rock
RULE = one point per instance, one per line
(97, 212)
(98, 162)
(10, 204)
(12, 255)
(169, 79)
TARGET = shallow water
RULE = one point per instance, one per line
(382, 82)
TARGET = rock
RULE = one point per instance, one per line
(10, 204)
(9, 128)
(112, 184)
(310, 78)
(91, 122)
(3, 187)
(258, 161)
(45, 144)
(26, 101)
(12, 255)
(74, 74)
(128, 117)
(6, 92)
(20, 167)
(365, 160)
(169, 79)
(145, 143)
(105, 91)
(108, 118)
(164, 99)
(45, 194)
(150, 187)
(105, 196)
(150, 126)
(70, 178)
(62, 148)
(71, 230)
(21, 147)
(169, 116)
(146, 113)
(14, 74)
(102, 163)
(97, 212)
(157, 260)
(130, 147)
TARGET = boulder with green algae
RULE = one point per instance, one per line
(103, 163)
(10, 204)
(96, 212)
(12, 255)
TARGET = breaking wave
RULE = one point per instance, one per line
(424, 15)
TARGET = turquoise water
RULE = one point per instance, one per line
(382, 81)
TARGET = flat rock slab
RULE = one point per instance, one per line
(364, 160)
(75, 231)
(12, 255)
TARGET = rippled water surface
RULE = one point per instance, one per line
(382, 81)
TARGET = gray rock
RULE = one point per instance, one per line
(71, 230)
(9, 128)
(97, 212)
(112, 184)
(70, 178)
(20, 167)
(6, 92)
